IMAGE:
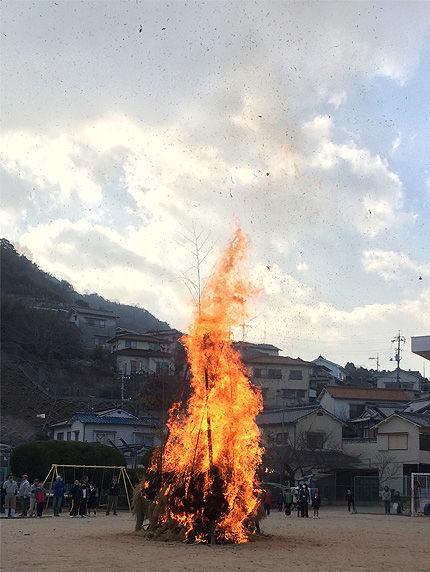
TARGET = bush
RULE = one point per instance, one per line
(35, 459)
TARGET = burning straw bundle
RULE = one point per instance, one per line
(201, 487)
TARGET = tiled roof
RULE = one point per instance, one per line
(368, 394)
(420, 419)
(255, 346)
(141, 353)
(289, 415)
(278, 360)
(93, 312)
(135, 336)
(86, 417)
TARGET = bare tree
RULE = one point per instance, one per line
(298, 458)
(386, 465)
(199, 245)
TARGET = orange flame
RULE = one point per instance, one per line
(213, 448)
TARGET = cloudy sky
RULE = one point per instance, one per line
(127, 124)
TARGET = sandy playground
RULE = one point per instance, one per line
(337, 541)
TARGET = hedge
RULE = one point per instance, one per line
(35, 459)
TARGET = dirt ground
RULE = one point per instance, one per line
(337, 541)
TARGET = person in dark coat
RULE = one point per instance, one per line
(58, 493)
(303, 501)
(83, 500)
(349, 497)
(316, 503)
(75, 493)
(113, 494)
(92, 499)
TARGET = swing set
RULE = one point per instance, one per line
(118, 471)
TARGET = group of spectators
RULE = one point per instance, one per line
(32, 497)
(83, 494)
(296, 498)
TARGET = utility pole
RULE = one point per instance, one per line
(377, 367)
(397, 357)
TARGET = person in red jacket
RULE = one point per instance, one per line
(267, 502)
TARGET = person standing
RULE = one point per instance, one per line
(303, 501)
(33, 497)
(58, 494)
(92, 499)
(113, 494)
(296, 505)
(24, 495)
(75, 493)
(83, 500)
(10, 487)
(316, 503)
(386, 497)
(267, 502)
(288, 503)
(40, 499)
(349, 497)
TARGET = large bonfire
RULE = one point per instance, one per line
(201, 486)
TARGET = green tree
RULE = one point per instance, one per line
(36, 458)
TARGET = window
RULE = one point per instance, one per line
(296, 374)
(60, 436)
(301, 394)
(69, 435)
(76, 435)
(424, 442)
(275, 374)
(102, 323)
(132, 344)
(133, 366)
(315, 440)
(162, 367)
(104, 437)
(355, 410)
(281, 438)
(267, 373)
(264, 392)
(288, 393)
(397, 441)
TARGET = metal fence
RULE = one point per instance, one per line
(368, 494)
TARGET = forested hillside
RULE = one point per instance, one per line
(23, 279)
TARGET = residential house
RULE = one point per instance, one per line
(399, 379)
(284, 381)
(142, 353)
(400, 446)
(96, 326)
(320, 376)
(349, 402)
(363, 425)
(307, 440)
(247, 349)
(337, 372)
(115, 427)
(310, 426)
(420, 405)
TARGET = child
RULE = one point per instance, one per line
(316, 503)
(288, 503)
(92, 499)
(40, 499)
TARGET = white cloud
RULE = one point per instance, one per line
(337, 99)
(391, 265)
